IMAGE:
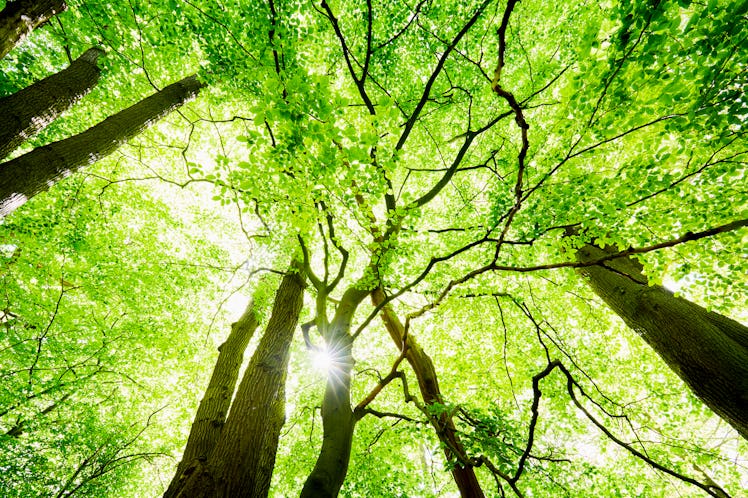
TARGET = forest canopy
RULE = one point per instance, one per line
(373, 248)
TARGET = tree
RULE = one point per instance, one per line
(28, 111)
(338, 420)
(707, 350)
(211, 414)
(425, 160)
(423, 367)
(20, 17)
(237, 457)
(69, 362)
(27, 175)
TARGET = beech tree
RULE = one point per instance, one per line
(707, 350)
(237, 447)
(442, 173)
(211, 414)
(428, 383)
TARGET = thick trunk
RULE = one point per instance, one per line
(338, 421)
(242, 458)
(211, 414)
(32, 173)
(25, 113)
(338, 424)
(709, 352)
(428, 383)
(21, 17)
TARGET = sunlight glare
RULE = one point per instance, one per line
(322, 360)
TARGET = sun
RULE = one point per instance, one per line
(322, 360)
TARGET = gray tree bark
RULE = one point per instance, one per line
(34, 172)
(20, 17)
(27, 112)
(708, 351)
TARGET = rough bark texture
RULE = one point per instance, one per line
(21, 17)
(32, 173)
(25, 113)
(242, 463)
(428, 383)
(242, 459)
(708, 351)
(338, 421)
(211, 414)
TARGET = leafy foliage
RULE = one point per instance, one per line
(371, 138)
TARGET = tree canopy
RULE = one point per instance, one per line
(433, 171)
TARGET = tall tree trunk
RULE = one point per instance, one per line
(338, 421)
(242, 459)
(25, 113)
(242, 463)
(32, 173)
(20, 17)
(428, 382)
(211, 414)
(708, 351)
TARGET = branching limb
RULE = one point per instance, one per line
(378, 414)
(40, 340)
(222, 25)
(362, 408)
(519, 117)
(571, 384)
(435, 73)
(687, 237)
(534, 418)
(413, 17)
(571, 154)
(469, 136)
(305, 333)
(359, 81)
(336, 243)
(316, 282)
(711, 161)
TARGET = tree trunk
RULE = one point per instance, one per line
(32, 173)
(27, 112)
(338, 420)
(428, 382)
(211, 414)
(19, 18)
(242, 463)
(708, 351)
(242, 459)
